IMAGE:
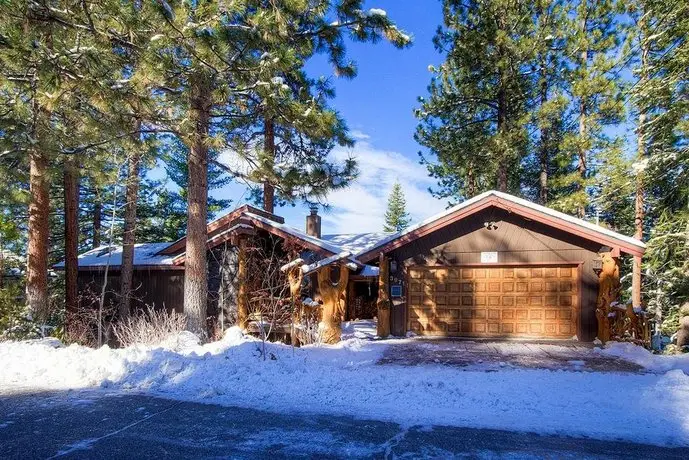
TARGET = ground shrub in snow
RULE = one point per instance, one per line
(15, 321)
(149, 327)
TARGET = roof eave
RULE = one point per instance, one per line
(506, 202)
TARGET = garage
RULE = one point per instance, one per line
(509, 301)
(499, 266)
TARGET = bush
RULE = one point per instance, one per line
(149, 327)
(15, 320)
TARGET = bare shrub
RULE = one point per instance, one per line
(270, 305)
(89, 325)
(149, 327)
(306, 322)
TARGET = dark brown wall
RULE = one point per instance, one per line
(152, 287)
(517, 240)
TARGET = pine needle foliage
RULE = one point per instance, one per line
(396, 216)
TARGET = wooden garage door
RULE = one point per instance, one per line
(513, 301)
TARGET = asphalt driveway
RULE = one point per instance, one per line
(490, 355)
(98, 425)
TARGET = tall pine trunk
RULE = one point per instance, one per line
(639, 212)
(39, 225)
(268, 188)
(37, 252)
(71, 203)
(97, 217)
(195, 269)
(544, 143)
(129, 235)
(502, 118)
(581, 163)
(471, 181)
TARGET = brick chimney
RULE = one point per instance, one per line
(313, 222)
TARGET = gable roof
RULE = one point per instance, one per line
(217, 226)
(283, 230)
(513, 204)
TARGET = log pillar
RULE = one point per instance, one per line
(608, 289)
(242, 277)
(383, 303)
(295, 276)
(636, 282)
(333, 297)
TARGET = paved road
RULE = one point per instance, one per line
(95, 425)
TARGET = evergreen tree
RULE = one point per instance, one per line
(207, 60)
(396, 216)
(283, 143)
(661, 48)
(53, 76)
(548, 162)
(474, 120)
(594, 35)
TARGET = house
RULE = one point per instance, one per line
(493, 266)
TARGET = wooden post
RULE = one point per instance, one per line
(636, 282)
(333, 296)
(383, 304)
(242, 294)
(295, 277)
(608, 289)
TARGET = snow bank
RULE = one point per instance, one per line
(346, 379)
(646, 359)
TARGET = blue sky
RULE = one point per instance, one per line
(378, 107)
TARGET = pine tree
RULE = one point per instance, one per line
(661, 48)
(474, 119)
(288, 112)
(207, 60)
(396, 216)
(596, 92)
(52, 76)
(548, 163)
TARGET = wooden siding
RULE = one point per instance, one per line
(517, 241)
(151, 287)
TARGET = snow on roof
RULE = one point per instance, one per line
(306, 268)
(355, 242)
(291, 265)
(513, 199)
(297, 233)
(144, 254)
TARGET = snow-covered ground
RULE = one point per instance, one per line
(346, 379)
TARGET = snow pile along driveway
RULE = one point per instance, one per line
(346, 379)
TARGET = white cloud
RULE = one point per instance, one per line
(359, 135)
(361, 206)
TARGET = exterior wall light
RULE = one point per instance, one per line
(393, 266)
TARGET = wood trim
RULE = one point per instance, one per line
(282, 234)
(570, 227)
(501, 264)
(423, 231)
(511, 208)
(217, 240)
(220, 222)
